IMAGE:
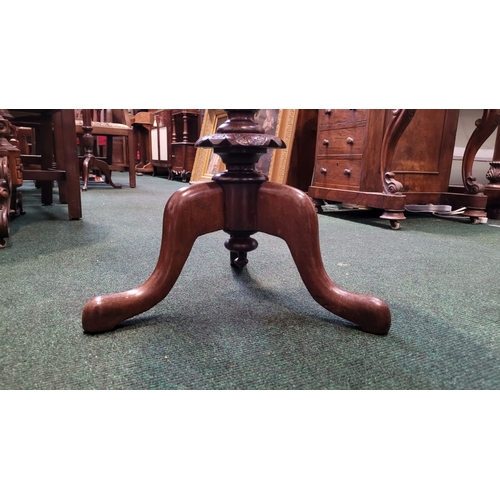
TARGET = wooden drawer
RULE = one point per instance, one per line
(341, 141)
(341, 173)
(327, 117)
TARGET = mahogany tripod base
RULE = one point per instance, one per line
(199, 209)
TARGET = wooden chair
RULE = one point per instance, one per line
(111, 124)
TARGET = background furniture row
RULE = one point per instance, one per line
(385, 159)
(56, 146)
(388, 159)
(173, 134)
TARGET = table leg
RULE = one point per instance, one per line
(189, 213)
(276, 204)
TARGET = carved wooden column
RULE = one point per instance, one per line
(10, 175)
(5, 196)
(185, 132)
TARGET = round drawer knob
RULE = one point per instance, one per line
(347, 171)
(350, 140)
(326, 142)
(323, 171)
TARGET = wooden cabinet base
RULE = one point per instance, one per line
(388, 159)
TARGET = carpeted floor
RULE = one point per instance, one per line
(256, 330)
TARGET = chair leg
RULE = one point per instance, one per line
(47, 157)
(67, 157)
(189, 213)
(131, 160)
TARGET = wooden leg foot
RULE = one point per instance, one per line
(104, 168)
(189, 213)
(277, 202)
(85, 172)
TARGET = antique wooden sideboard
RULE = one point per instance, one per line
(388, 159)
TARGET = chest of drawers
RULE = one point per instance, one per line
(385, 159)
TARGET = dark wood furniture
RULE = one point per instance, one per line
(173, 135)
(10, 174)
(239, 201)
(301, 166)
(56, 155)
(161, 139)
(387, 159)
(55, 159)
(142, 122)
(185, 131)
(89, 161)
(119, 128)
(486, 125)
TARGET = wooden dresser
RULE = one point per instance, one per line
(386, 159)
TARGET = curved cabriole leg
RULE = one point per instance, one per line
(91, 162)
(288, 213)
(105, 170)
(485, 126)
(85, 172)
(189, 213)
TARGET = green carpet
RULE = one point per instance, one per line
(256, 330)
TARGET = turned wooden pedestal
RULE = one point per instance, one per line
(241, 202)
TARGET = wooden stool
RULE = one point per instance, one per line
(240, 201)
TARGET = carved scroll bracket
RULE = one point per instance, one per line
(5, 196)
(10, 174)
(399, 121)
(493, 174)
